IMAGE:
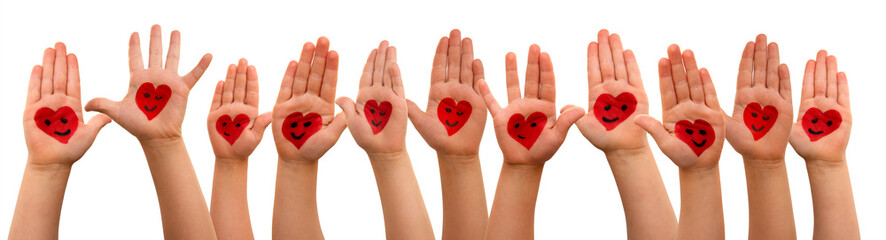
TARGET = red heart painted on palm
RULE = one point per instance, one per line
(759, 120)
(297, 128)
(377, 115)
(150, 100)
(699, 135)
(526, 130)
(453, 116)
(60, 124)
(611, 111)
(817, 124)
(231, 129)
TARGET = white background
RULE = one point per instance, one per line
(110, 193)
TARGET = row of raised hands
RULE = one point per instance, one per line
(528, 130)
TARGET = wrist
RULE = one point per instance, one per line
(623, 155)
(51, 168)
(522, 168)
(764, 163)
(231, 161)
(836, 163)
(458, 159)
(700, 171)
(160, 143)
(387, 156)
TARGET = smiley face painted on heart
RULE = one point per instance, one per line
(230, 129)
(759, 120)
(377, 115)
(817, 124)
(452, 115)
(60, 124)
(297, 128)
(611, 111)
(150, 100)
(526, 130)
(699, 135)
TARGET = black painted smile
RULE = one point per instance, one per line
(297, 137)
(226, 134)
(814, 132)
(757, 130)
(609, 120)
(374, 123)
(699, 144)
(150, 110)
(521, 137)
(63, 133)
(451, 125)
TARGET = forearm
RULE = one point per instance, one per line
(464, 198)
(513, 210)
(771, 215)
(39, 203)
(832, 201)
(405, 214)
(295, 201)
(701, 205)
(182, 206)
(648, 210)
(229, 207)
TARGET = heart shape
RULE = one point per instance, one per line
(759, 120)
(526, 130)
(699, 135)
(377, 114)
(229, 129)
(611, 111)
(59, 124)
(817, 124)
(150, 100)
(453, 116)
(297, 128)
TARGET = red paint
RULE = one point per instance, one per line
(611, 111)
(150, 100)
(759, 120)
(526, 130)
(817, 124)
(699, 135)
(60, 124)
(377, 114)
(453, 116)
(297, 128)
(231, 129)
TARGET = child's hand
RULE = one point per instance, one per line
(693, 131)
(378, 119)
(761, 121)
(235, 128)
(527, 129)
(456, 113)
(305, 125)
(615, 96)
(53, 120)
(154, 107)
(822, 128)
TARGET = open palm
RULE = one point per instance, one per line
(235, 128)
(824, 122)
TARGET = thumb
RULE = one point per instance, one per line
(347, 106)
(96, 123)
(568, 115)
(653, 127)
(261, 123)
(338, 124)
(416, 115)
(103, 105)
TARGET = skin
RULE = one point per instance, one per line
(54, 84)
(832, 202)
(513, 209)
(613, 71)
(404, 210)
(456, 74)
(237, 94)
(764, 80)
(182, 206)
(308, 86)
(687, 93)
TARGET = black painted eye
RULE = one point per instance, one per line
(238, 125)
(753, 114)
(372, 110)
(147, 95)
(829, 123)
(449, 110)
(702, 132)
(607, 107)
(459, 113)
(158, 97)
(532, 125)
(515, 125)
(47, 122)
(689, 131)
(814, 120)
(66, 121)
(624, 107)
(224, 124)
(765, 118)
(381, 114)
(307, 124)
(293, 125)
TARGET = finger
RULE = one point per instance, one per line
(230, 79)
(532, 73)
(366, 78)
(467, 59)
(416, 115)
(60, 73)
(666, 85)
(73, 88)
(338, 124)
(785, 85)
(48, 67)
(760, 51)
(135, 53)
(96, 123)
(653, 127)
(843, 90)
(568, 116)
(594, 76)
(172, 56)
(261, 123)
(379, 68)
(491, 103)
(389, 61)
(478, 74)
(548, 89)
(300, 84)
(318, 67)
(217, 95)
(330, 77)
(710, 93)
(251, 87)
(746, 67)
(832, 76)
(633, 69)
(607, 68)
(454, 59)
(286, 85)
(155, 49)
(820, 80)
(240, 81)
(194, 75)
(34, 84)
(103, 105)
(396, 81)
(512, 80)
(696, 90)
(438, 71)
(678, 73)
(621, 71)
(347, 106)
(772, 67)
(808, 88)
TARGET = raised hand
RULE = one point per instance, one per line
(235, 128)
(824, 121)
(154, 107)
